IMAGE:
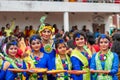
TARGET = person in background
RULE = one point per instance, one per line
(2, 38)
(91, 42)
(32, 31)
(107, 33)
(97, 33)
(9, 28)
(26, 31)
(84, 28)
(2, 30)
(116, 44)
(62, 32)
(16, 30)
(56, 29)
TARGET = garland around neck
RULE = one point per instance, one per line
(49, 42)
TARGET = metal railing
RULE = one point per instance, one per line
(87, 1)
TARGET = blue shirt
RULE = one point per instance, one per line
(2, 72)
(51, 54)
(65, 66)
(77, 65)
(9, 75)
(114, 70)
(43, 62)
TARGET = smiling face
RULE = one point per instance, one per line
(36, 45)
(12, 51)
(46, 33)
(80, 41)
(61, 48)
(104, 44)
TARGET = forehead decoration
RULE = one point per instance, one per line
(103, 36)
(14, 42)
(78, 35)
(33, 38)
(61, 41)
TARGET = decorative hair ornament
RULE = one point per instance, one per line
(61, 41)
(48, 48)
(34, 38)
(14, 42)
(103, 36)
(78, 35)
(42, 26)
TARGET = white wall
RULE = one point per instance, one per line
(50, 6)
(23, 19)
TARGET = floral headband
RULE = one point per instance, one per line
(78, 35)
(14, 43)
(103, 36)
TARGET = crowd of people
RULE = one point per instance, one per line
(83, 55)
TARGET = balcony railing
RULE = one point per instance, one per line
(86, 1)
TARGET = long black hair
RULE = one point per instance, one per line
(13, 42)
(34, 37)
(116, 44)
(76, 33)
(59, 41)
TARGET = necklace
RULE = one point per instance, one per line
(37, 57)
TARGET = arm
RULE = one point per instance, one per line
(93, 63)
(115, 65)
(25, 67)
(76, 64)
(12, 25)
(9, 74)
(93, 67)
(51, 66)
(50, 63)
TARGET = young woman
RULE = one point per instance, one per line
(91, 43)
(104, 60)
(61, 60)
(46, 33)
(80, 56)
(12, 62)
(40, 59)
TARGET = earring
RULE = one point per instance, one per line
(57, 51)
(74, 43)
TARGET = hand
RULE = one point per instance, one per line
(106, 72)
(71, 79)
(92, 71)
(69, 51)
(100, 71)
(77, 72)
(25, 55)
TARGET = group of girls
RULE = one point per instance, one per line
(55, 55)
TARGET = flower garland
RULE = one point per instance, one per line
(102, 57)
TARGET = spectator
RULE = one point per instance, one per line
(31, 31)
(9, 28)
(2, 31)
(56, 29)
(97, 33)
